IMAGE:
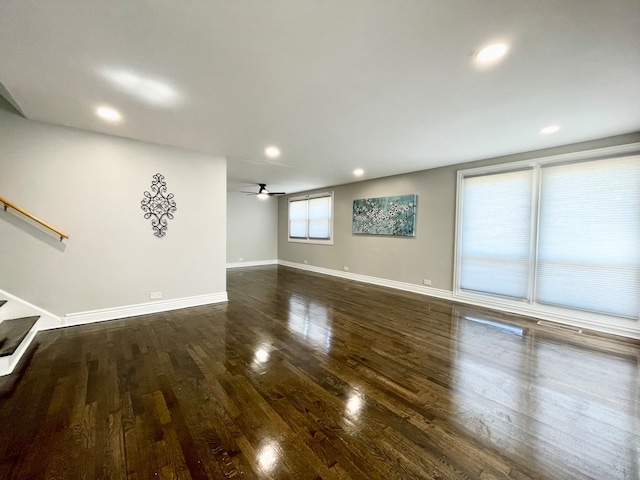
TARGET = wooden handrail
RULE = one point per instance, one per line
(7, 204)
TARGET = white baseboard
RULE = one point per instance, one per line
(254, 263)
(81, 318)
(383, 282)
(623, 327)
(49, 321)
(600, 323)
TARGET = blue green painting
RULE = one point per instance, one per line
(385, 216)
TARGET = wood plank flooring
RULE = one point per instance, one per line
(302, 376)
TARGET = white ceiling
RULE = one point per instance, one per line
(386, 85)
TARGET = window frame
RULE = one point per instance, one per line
(307, 238)
(532, 250)
(530, 305)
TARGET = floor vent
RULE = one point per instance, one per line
(558, 326)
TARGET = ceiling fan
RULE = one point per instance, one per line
(264, 193)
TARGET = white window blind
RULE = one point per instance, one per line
(319, 217)
(495, 233)
(589, 236)
(298, 219)
(310, 218)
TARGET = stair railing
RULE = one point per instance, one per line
(8, 204)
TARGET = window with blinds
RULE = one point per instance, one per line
(319, 218)
(562, 234)
(589, 236)
(298, 218)
(495, 233)
(310, 218)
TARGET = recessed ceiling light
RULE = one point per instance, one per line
(358, 172)
(272, 152)
(550, 129)
(109, 114)
(491, 53)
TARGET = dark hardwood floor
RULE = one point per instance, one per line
(303, 376)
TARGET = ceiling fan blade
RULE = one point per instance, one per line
(263, 191)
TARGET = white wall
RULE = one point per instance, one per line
(90, 186)
(252, 228)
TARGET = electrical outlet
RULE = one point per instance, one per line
(426, 282)
(241, 259)
(306, 261)
(346, 269)
(155, 295)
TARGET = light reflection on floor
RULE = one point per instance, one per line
(268, 455)
(505, 383)
(310, 322)
(260, 357)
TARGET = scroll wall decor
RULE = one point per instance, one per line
(394, 216)
(158, 205)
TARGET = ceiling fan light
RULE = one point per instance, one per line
(263, 193)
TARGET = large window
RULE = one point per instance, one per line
(562, 232)
(589, 236)
(310, 218)
(496, 233)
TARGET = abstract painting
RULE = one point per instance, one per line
(395, 216)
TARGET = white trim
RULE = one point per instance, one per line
(534, 228)
(311, 195)
(8, 363)
(307, 239)
(598, 153)
(314, 241)
(49, 321)
(19, 308)
(81, 318)
(599, 323)
(383, 282)
(592, 321)
(254, 263)
(4, 295)
(456, 232)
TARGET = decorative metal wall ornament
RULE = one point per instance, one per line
(159, 205)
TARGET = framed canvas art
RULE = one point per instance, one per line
(392, 216)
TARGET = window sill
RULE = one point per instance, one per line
(312, 241)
